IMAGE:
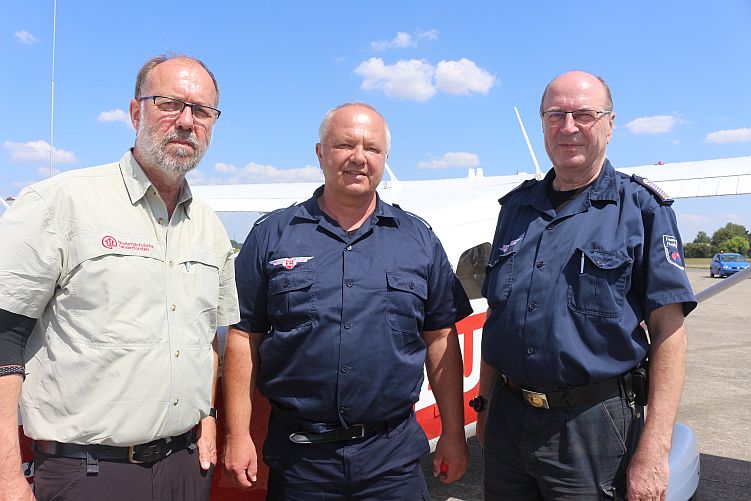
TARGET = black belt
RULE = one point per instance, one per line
(581, 395)
(142, 453)
(352, 432)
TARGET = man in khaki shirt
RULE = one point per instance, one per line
(114, 280)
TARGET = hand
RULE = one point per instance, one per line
(16, 489)
(240, 460)
(648, 473)
(207, 442)
(451, 458)
(480, 427)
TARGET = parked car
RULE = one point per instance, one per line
(726, 264)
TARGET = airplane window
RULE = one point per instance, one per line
(471, 269)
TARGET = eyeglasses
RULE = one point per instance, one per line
(176, 106)
(581, 117)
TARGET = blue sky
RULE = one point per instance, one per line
(445, 74)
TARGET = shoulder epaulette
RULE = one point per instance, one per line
(414, 216)
(662, 197)
(524, 184)
(269, 214)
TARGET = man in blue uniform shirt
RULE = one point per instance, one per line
(344, 299)
(579, 260)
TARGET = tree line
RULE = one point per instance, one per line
(730, 238)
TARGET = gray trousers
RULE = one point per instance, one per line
(178, 477)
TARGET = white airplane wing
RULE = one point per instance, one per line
(703, 178)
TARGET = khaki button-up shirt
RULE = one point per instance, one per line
(128, 302)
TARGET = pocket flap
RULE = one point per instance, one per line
(408, 283)
(290, 281)
(604, 259)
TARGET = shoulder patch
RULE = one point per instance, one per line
(269, 214)
(523, 185)
(662, 197)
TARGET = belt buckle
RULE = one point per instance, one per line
(535, 399)
(131, 451)
(359, 430)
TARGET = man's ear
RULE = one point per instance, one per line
(135, 113)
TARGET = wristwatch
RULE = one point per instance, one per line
(213, 413)
(479, 403)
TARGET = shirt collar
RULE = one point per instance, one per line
(137, 183)
(384, 213)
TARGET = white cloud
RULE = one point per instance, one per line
(116, 115)
(25, 37)
(729, 136)
(419, 80)
(452, 159)
(37, 151)
(410, 79)
(258, 173)
(403, 40)
(462, 77)
(658, 124)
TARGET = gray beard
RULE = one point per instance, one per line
(154, 152)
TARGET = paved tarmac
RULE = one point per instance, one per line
(716, 400)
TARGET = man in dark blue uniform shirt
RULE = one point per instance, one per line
(579, 260)
(343, 300)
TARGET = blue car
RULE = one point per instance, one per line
(726, 264)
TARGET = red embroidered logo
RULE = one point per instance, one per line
(109, 242)
(290, 262)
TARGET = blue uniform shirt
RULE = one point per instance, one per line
(343, 313)
(568, 289)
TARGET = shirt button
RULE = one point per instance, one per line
(161, 220)
(532, 306)
(347, 325)
(411, 286)
(540, 264)
(173, 307)
(285, 282)
(551, 226)
(530, 350)
(349, 247)
(171, 264)
(343, 409)
(177, 353)
(345, 369)
(349, 283)
(177, 401)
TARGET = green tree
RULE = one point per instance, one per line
(697, 250)
(737, 244)
(727, 232)
(702, 238)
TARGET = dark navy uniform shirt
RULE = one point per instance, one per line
(343, 312)
(568, 288)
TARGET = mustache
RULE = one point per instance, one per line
(183, 135)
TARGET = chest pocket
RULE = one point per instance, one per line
(597, 282)
(197, 278)
(498, 278)
(405, 301)
(291, 299)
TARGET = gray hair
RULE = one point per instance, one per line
(608, 96)
(143, 73)
(326, 122)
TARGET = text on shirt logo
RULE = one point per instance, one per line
(290, 262)
(110, 242)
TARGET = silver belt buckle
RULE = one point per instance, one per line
(535, 399)
(361, 428)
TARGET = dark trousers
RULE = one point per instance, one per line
(577, 453)
(382, 467)
(178, 477)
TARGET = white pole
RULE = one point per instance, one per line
(538, 172)
(52, 93)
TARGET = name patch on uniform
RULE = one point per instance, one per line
(110, 242)
(510, 246)
(672, 254)
(290, 262)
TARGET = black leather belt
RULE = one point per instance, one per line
(350, 433)
(142, 453)
(581, 395)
